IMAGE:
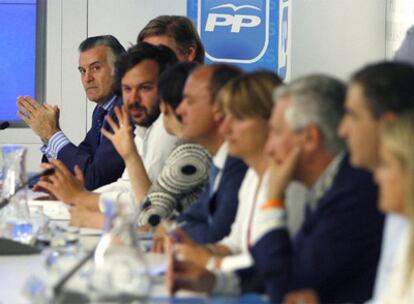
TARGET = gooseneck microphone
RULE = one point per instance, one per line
(5, 201)
(4, 125)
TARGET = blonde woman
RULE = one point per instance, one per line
(247, 104)
(395, 177)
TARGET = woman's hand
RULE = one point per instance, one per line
(122, 137)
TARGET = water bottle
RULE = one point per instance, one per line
(15, 218)
(120, 270)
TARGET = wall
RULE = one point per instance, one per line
(66, 26)
(400, 16)
(336, 36)
(327, 36)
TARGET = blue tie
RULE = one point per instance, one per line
(99, 117)
(213, 171)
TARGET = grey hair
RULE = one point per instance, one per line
(318, 100)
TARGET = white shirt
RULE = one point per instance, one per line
(398, 289)
(219, 160)
(251, 195)
(154, 145)
(395, 227)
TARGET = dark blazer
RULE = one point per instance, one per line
(336, 250)
(210, 218)
(99, 161)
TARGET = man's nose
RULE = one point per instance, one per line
(135, 97)
(88, 76)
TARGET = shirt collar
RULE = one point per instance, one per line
(107, 105)
(325, 181)
(220, 157)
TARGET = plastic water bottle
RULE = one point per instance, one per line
(15, 217)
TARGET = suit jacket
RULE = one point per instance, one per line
(336, 250)
(210, 218)
(100, 162)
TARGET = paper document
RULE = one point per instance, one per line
(55, 210)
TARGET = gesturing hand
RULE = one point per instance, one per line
(122, 137)
(63, 184)
(43, 119)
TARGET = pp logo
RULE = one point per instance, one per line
(234, 31)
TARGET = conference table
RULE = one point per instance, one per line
(17, 271)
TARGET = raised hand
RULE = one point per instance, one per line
(122, 137)
(123, 140)
(43, 119)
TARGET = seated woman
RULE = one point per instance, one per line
(185, 172)
(395, 177)
(247, 104)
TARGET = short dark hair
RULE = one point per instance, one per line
(222, 73)
(140, 52)
(106, 40)
(388, 87)
(180, 29)
(172, 81)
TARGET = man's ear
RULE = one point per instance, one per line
(313, 138)
(218, 115)
(191, 54)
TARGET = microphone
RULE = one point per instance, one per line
(4, 125)
(5, 201)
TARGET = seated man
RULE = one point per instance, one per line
(337, 248)
(378, 93)
(210, 218)
(176, 32)
(138, 71)
(95, 155)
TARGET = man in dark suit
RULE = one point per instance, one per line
(210, 218)
(95, 155)
(336, 250)
(377, 93)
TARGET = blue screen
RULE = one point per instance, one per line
(17, 54)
